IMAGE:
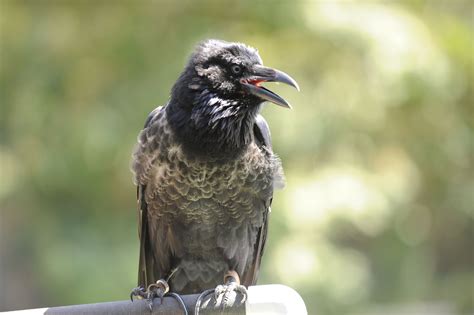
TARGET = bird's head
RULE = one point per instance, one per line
(234, 71)
(220, 92)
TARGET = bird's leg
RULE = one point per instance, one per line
(158, 289)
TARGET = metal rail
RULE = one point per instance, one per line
(274, 299)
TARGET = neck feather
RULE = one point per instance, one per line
(213, 125)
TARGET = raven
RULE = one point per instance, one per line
(205, 174)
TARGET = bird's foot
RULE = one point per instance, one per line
(138, 292)
(225, 296)
(154, 290)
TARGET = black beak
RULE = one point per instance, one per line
(263, 74)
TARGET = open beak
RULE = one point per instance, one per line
(262, 74)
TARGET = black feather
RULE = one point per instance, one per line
(205, 172)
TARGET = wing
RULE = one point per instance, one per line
(262, 133)
(263, 139)
(149, 269)
(146, 260)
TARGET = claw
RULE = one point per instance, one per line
(218, 291)
(159, 289)
(224, 295)
(138, 292)
(242, 290)
(229, 294)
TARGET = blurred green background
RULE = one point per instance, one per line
(377, 215)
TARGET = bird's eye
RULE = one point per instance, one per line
(236, 69)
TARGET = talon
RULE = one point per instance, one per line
(138, 292)
(158, 289)
(218, 291)
(226, 295)
(229, 295)
(242, 290)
